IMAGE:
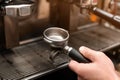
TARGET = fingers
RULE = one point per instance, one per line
(88, 53)
(74, 66)
(79, 68)
(80, 78)
(83, 68)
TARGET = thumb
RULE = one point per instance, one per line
(88, 53)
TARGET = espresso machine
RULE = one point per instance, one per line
(22, 23)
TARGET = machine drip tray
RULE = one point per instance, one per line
(33, 59)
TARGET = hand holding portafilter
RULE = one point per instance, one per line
(58, 38)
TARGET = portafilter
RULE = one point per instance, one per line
(58, 38)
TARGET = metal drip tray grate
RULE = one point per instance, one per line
(95, 37)
(28, 60)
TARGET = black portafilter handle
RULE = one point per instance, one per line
(75, 55)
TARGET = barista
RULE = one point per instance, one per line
(101, 67)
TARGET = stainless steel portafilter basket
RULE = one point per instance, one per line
(58, 38)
